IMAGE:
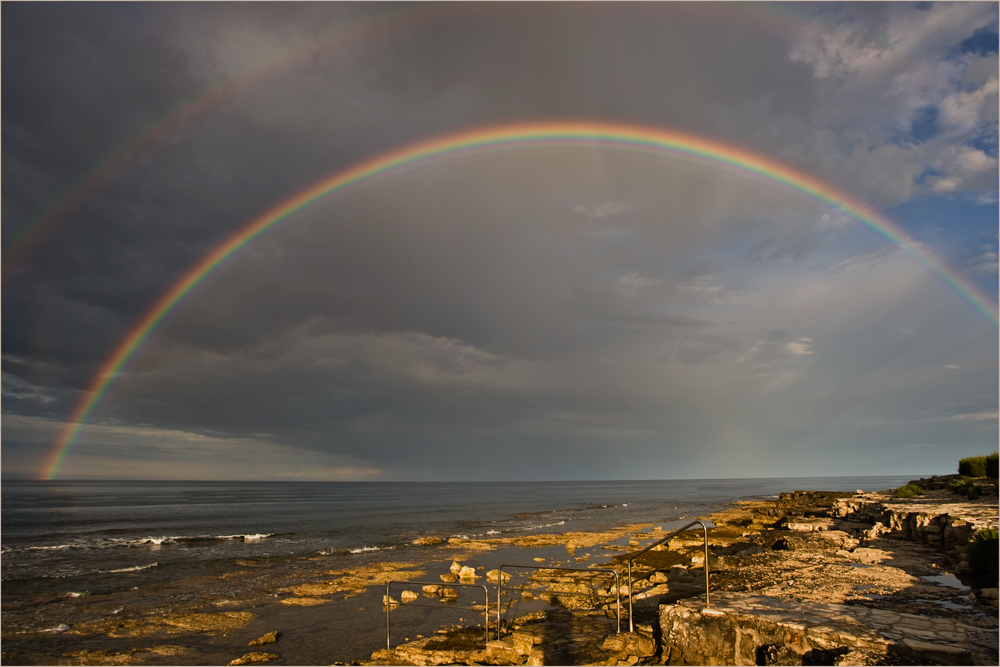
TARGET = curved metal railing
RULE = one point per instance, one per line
(581, 570)
(632, 557)
(390, 605)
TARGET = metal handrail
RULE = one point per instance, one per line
(389, 605)
(632, 557)
(618, 588)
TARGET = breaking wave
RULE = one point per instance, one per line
(135, 568)
(368, 549)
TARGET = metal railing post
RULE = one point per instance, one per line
(707, 601)
(388, 608)
(628, 561)
(389, 605)
(618, 587)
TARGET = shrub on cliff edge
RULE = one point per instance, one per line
(973, 466)
(991, 464)
(983, 555)
(908, 491)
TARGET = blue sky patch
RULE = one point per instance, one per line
(924, 124)
(982, 43)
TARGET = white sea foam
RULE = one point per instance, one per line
(135, 568)
(367, 549)
(249, 537)
(72, 594)
(544, 525)
(62, 627)
(51, 548)
(493, 532)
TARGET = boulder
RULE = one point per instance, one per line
(408, 596)
(467, 573)
(502, 651)
(658, 578)
(655, 591)
(431, 589)
(493, 575)
(252, 657)
(456, 567)
(449, 578)
(631, 643)
(269, 638)
(524, 642)
(449, 593)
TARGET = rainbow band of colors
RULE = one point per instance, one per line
(504, 137)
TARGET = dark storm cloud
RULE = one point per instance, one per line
(546, 303)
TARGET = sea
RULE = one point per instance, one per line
(66, 536)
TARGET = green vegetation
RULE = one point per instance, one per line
(991, 464)
(961, 485)
(967, 487)
(979, 466)
(909, 491)
(983, 555)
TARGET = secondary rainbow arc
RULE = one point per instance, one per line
(502, 137)
(72, 195)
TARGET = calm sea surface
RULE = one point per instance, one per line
(107, 534)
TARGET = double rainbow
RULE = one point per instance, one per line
(499, 138)
(276, 61)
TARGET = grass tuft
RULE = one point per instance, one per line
(909, 491)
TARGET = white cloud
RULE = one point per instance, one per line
(146, 452)
(16, 387)
(860, 264)
(800, 346)
(879, 70)
(964, 111)
(704, 285)
(975, 417)
(985, 264)
(601, 211)
(633, 280)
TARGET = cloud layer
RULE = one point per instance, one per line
(558, 313)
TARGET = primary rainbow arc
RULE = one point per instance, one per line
(502, 137)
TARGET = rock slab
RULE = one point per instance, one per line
(744, 629)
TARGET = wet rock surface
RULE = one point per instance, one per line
(808, 578)
(841, 579)
(891, 574)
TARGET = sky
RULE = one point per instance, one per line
(548, 311)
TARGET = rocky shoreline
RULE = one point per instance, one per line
(808, 578)
(805, 578)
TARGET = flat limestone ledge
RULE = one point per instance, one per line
(742, 629)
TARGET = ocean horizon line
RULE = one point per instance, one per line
(468, 481)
